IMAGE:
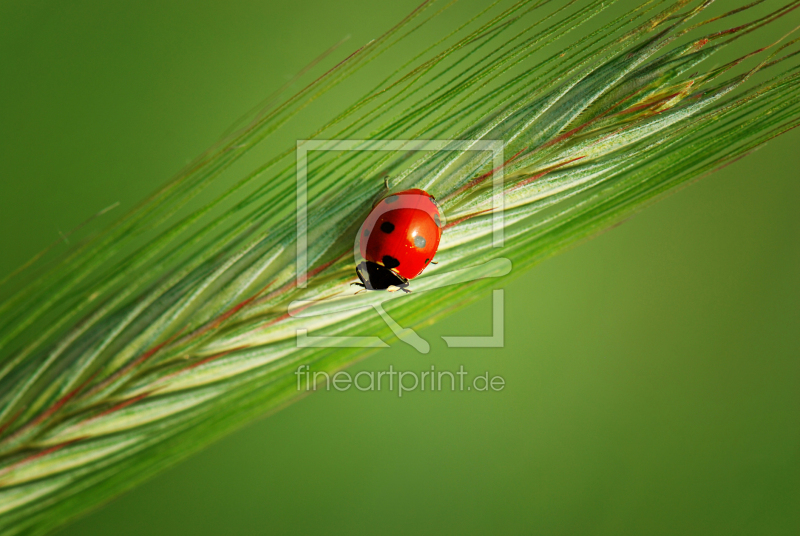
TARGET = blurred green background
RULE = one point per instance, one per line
(652, 374)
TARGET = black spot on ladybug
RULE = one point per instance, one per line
(366, 232)
(387, 227)
(419, 241)
(391, 199)
(427, 261)
(437, 220)
(390, 262)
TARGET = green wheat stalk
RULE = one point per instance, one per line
(170, 328)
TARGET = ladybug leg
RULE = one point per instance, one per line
(395, 289)
(357, 284)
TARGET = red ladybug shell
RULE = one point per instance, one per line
(402, 232)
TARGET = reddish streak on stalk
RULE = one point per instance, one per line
(166, 378)
(772, 17)
(61, 402)
(477, 180)
(291, 284)
(700, 44)
(147, 355)
(212, 358)
(729, 31)
(632, 109)
(274, 321)
(4, 427)
(284, 316)
(566, 135)
(224, 316)
(233, 310)
(126, 403)
(121, 405)
(724, 15)
(543, 173)
(323, 267)
(38, 455)
(518, 185)
(465, 218)
(257, 297)
(277, 292)
(646, 105)
(144, 357)
(48, 412)
(310, 274)
(579, 128)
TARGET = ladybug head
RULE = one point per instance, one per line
(377, 277)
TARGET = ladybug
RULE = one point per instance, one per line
(398, 240)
